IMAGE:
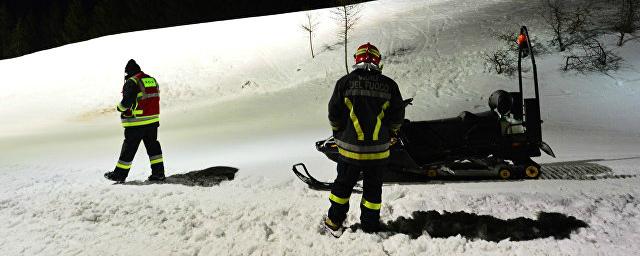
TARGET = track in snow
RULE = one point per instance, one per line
(579, 170)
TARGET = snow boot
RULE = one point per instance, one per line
(372, 227)
(329, 227)
(118, 176)
(157, 175)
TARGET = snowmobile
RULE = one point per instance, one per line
(496, 143)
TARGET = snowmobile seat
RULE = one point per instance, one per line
(452, 137)
(446, 134)
(482, 127)
(468, 117)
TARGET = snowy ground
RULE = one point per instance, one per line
(259, 105)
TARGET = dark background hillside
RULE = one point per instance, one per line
(28, 26)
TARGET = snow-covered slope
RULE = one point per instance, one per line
(245, 93)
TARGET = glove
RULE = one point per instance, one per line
(121, 108)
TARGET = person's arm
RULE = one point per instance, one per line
(336, 108)
(396, 110)
(129, 94)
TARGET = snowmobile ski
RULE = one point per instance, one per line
(314, 183)
(310, 180)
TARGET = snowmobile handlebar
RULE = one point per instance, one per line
(407, 102)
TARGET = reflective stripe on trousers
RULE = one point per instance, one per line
(123, 165)
(156, 159)
(370, 205)
(337, 199)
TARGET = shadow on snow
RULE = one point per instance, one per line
(208, 177)
(485, 227)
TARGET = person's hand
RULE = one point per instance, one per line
(394, 133)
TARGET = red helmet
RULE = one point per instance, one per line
(367, 53)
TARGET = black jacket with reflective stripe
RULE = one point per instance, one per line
(365, 106)
(130, 92)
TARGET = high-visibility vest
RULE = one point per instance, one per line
(146, 109)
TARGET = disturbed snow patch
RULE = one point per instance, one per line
(485, 227)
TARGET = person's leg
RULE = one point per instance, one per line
(371, 198)
(341, 191)
(154, 151)
(132, 138)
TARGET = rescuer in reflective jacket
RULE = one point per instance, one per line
(140, 117)
(364, 111)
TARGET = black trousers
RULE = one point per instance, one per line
(347, 178)
(132, 138)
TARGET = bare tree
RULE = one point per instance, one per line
(570, 24)
(310, 26)
(505, 55)
(504, 58)
(592, 57)
(502, 61)
(627, 19)
(347, 15)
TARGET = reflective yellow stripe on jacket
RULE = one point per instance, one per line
(138, 121)
(354, 119)
(364, 156)
(376, 132)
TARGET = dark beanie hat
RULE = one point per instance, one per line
(132, 67)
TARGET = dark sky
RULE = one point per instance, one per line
(20, 6)
(33, 25)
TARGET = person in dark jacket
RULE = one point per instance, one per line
(364, 111)
(140, 117)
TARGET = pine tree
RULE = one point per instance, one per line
(53, 24)
(5, 30)
(104, 19)
(23, 36)
(75, 23)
